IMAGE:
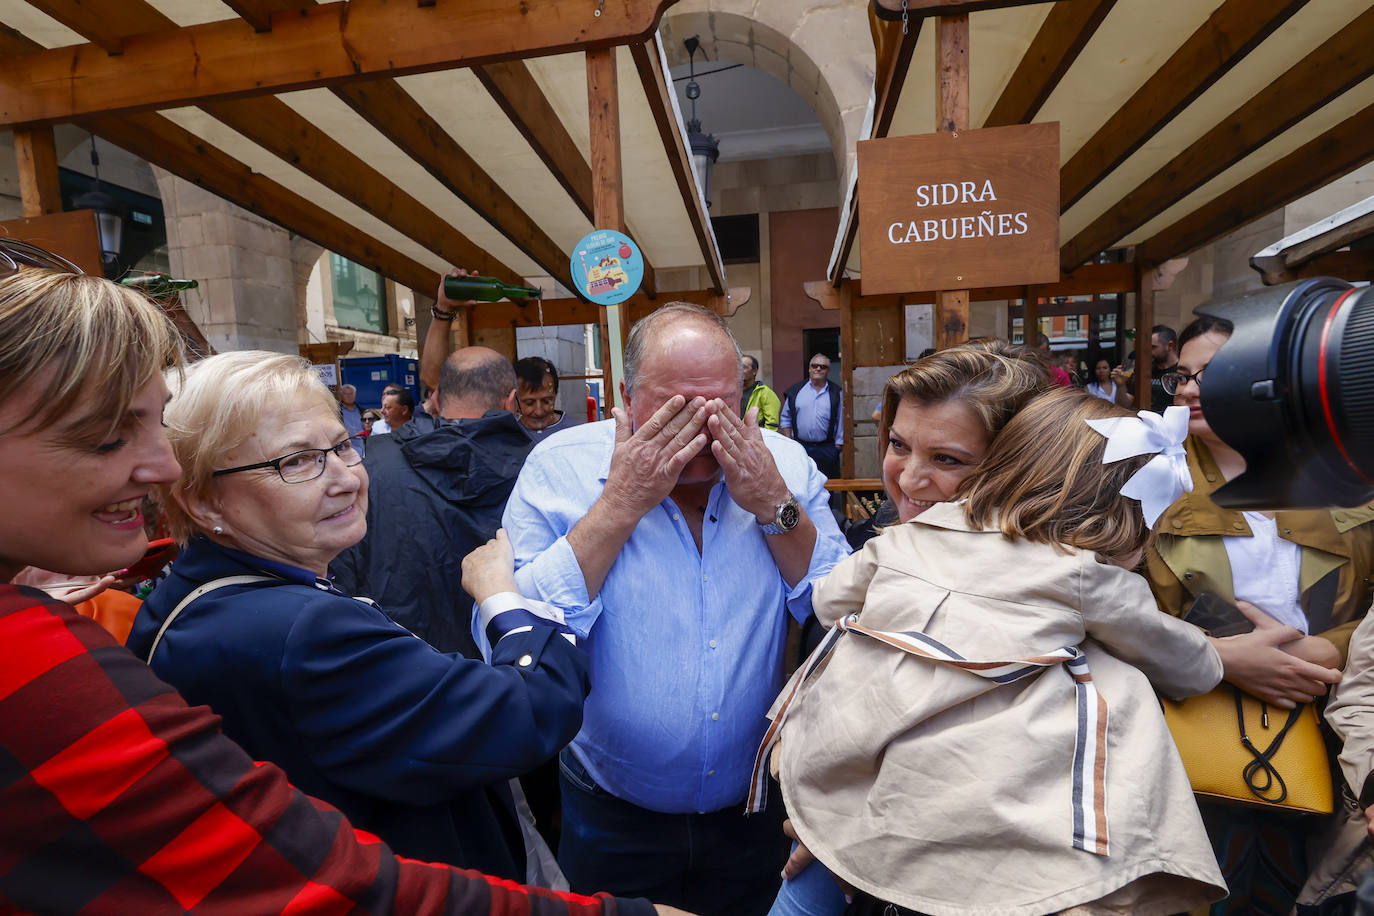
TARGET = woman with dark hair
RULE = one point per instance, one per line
(1302, 577)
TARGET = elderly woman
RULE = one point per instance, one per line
(117, 796)
(410, 743)
(1303, 577)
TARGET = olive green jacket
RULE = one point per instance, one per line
(1188, 556)
(768, 403)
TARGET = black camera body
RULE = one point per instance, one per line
(1292, 391)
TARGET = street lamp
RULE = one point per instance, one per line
(705, 147)
(109, 215)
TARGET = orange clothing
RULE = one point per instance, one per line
(112, 609)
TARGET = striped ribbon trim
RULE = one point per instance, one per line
(1089, 799)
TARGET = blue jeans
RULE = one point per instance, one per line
(812, 893)
(720, 863)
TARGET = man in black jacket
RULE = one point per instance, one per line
(434, 496)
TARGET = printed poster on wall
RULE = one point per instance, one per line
(607, 267)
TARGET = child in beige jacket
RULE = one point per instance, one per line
(979, 734)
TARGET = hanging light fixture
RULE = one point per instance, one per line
(705, 147)
(109, 214)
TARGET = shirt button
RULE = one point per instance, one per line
(1178, 523)
(1239, 526)
(1211, 478)
(1288, 531)
(715, 717)
(525, 660)
(712, 644)
(1187, 575)
(675, 516)
(710, 772)
(705, 578)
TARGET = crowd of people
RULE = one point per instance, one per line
(553, 658)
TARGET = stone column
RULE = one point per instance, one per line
(247, 295)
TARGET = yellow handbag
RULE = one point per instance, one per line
(1236, 751)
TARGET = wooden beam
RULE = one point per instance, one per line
(951, 114)
(180, 152)
(916, 8)
(1320, 161)
(656, 89)
(324, 45)
(515, 91)
(1030, 317)
(1144, 321)
(1339, 64)
(1351, 266)
(275, 126)
(258, 13)
(403, 121)
(893, 45)
(608, 197)
(603, 108)
(1088, 280)
(40, 191)
(106, 23)
(849, 356)
(578, 311)
(1231, 32)
(1062, 36)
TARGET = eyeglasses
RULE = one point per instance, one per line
(819, 366)
(16, 255)
(308, 463)
(1175, 379)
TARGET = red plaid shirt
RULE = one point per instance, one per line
(116, 797)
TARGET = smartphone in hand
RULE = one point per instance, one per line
(1217, 616)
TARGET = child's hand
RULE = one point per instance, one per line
(1257, 663)
(1316, 649)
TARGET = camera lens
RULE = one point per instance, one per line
(1292, 390)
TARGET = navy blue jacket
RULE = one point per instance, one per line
(434, 495)
(413, 745)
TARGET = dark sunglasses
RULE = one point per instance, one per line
(16, 255)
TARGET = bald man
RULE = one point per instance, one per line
(435, 494)
(677, 538)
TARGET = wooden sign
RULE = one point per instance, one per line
(954, 210)
(71, 234)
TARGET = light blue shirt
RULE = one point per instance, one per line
(813, 415)
(686, 648)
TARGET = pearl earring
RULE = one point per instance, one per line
(217, 529)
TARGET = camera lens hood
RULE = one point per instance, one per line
(1292, 391)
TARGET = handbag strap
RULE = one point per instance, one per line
(1261, 765)
(196, 593)
(1089, 774)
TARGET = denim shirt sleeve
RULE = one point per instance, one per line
(538, 517)
(808, 484)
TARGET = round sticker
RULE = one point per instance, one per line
(607, 267)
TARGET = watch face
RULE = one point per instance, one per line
(789, 516)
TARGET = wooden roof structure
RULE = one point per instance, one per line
(1180, 120)
(405, 135)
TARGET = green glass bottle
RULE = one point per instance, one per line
(485, 289)
(158, 286)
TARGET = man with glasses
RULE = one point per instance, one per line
(813, 414)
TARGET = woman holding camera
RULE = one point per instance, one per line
(1303, 580)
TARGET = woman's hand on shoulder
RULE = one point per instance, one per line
(490, 569)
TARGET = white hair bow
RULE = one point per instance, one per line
(1165, 477)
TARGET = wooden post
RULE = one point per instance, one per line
(1144, 320)
(1030, 317)
(608, 202)
(846, 295)
(951, 114)
(39, 189)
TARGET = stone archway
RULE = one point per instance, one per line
(823, 52)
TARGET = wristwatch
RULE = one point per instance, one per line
(786, 516)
